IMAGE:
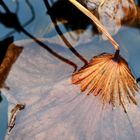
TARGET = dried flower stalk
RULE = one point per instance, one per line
(97, 22)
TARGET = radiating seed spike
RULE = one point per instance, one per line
(109, 78)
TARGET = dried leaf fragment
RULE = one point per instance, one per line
(10, 57)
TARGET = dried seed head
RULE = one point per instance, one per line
(109, 78)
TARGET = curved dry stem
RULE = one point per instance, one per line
(97, 22)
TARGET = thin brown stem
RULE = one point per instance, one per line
(97, 22)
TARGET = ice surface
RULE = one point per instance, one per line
(55, 109)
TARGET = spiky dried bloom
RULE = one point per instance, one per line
(109, 78)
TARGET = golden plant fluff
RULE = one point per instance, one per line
(109, 78)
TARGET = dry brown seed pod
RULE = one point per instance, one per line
(108, 77)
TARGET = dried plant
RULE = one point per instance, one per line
(107, 75)
(111, 79)
(10, 57)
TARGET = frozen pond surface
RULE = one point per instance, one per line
(54, 105)
(55, 109)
